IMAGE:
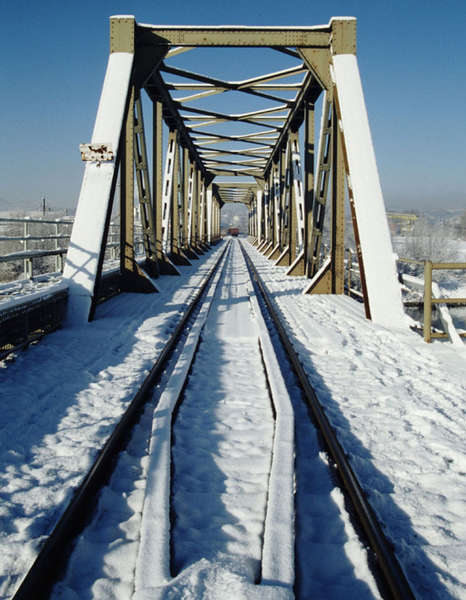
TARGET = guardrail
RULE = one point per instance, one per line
(60, 232)
(352, 274)
(429, 289)
(58, 235)
(432, 297)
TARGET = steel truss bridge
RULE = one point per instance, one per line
(194, 157)
(267, 154)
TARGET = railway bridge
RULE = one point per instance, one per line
(232, 425)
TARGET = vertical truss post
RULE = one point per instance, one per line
(145, 201)
(251, 221)
(215, 213)
(321, 282)
(275, 179)
(166, 209)
(270, 191)
(323, 178)
(284, 260)
(271, 194)
(299, 222)
(260, 238)
(174, 218)
(175, 208)
(177, 255)
(195, 211)
(167, 193)
(210, 215)
(157, 175)
(292, 202)
(283, 196)
(264, 215)
(268, 207)
(131, 276)
(253, 206)
(127, 195)
(309, 134)
(187, 205)
(216, 219)
(192, 185)
(338, 210)
(185, 198)
(202, 214)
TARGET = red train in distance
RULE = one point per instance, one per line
(233, 231)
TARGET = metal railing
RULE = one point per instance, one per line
(431, 297)
(58, 235)
(352, 275)
(58, 232)
(429, 290)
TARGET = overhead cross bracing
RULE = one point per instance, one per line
(227, 127)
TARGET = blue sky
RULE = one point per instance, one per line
(412, 57)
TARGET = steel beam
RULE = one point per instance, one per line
(144, 192)
(228, 36)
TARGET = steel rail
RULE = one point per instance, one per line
(394, 579)
(52, 557)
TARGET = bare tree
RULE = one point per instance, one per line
(429, 241)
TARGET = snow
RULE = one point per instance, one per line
(61, 399)
(221, 464)
(29, 292)
(278, 547)
(153, 566)
(396, 403)
(383, 289)
(223, 438)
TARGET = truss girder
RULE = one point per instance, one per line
(286, 202)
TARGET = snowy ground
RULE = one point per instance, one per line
(398, 406)
(61, 399)
(232, 497)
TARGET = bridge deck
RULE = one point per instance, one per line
(397, 404)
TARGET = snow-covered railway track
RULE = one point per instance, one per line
(50, 562)
(224, 489)
(388, 575)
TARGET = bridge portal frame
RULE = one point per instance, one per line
(286, 209)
